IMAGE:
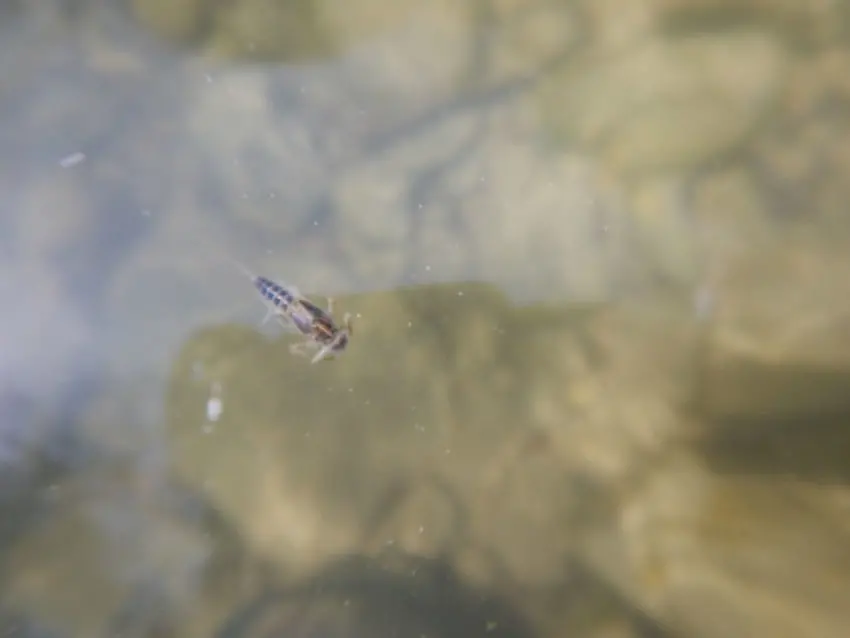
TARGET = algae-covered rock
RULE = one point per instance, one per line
(449, 410)
(270, 30)
(664, 229)
(665, 103)
(180, 20)
(105, 540)
(802, 157)
(778, 345)
(305, 457)
(716, 556)
(806, 24)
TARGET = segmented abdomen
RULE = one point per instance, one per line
(273, 292)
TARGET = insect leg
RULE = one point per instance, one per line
(287, 324)
(282, 319)
(321, 354)
(302, 349)
(329, 348)
(330, 305)
(270, 312)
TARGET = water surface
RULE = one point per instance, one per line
(595, 255)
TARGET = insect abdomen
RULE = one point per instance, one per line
(274, 293)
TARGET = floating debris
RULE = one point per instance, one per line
(214, 409)
(72, 160)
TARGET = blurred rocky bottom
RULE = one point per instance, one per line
(361, 597)
(467, 467)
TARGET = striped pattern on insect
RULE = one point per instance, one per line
(295, 312)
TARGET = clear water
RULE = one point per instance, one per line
(579, 397)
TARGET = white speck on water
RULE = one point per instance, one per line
(420, 206)
(72, 160)
(315, 222)
(208, 78)
(460, 293)
(427, 267)
(409, 324)
(214, 409)
(214, 405)
(145, 212)
(421, 529)
(207, 428)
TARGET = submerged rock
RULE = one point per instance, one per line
(665, 103)
(777, 348)
(456, 426)
(716, 556)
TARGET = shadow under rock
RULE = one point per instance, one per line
(359, 597)
(816, 450)
(13, 623)
(36, 452)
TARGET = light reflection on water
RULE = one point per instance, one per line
(473, 164)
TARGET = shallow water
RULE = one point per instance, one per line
(595, 252)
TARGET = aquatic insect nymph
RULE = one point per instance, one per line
(295, 312)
